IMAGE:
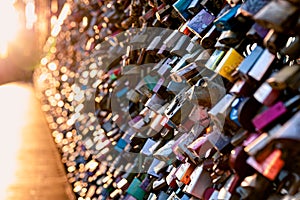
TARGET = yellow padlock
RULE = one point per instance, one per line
(229, 63)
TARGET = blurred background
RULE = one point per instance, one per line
(31, 167)
(25, 26)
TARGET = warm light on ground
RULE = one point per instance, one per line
(14, 106)
(9, 24)
(30, 164)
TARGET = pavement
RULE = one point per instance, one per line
(30, 166)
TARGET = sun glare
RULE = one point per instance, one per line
(9, 24)
(14, 116)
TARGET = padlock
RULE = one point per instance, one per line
(186, 72)
(204, 72)
(164, 68)
(203, 57)
(224, 191)
(162, 196)
(165, 152)
(251, 7)
(177, 150)
(174, 61)
(180, 48)
(172, 39)
(230, 38)
(200, 146)
(263, 120)
(192, 57)
(280, 80)
(201, 23)
(181, 148)
(137, 123)
(219, 112)
(234, 110)
(147, 183)
(254, 186)
(176, 87)
(285, 138)
(171, 178)
(275, 41)
(179, 110)
(292, 50)
(156, 123)
(206, 92)
(151, 170)
(181, 7)
(162, 53)
(238, 163)
(150, 81)
(278, 15)
(210, 38)
(156, 43)
(183, 174)
(214, 6)
(247, 64)
(287, 187)
(162, 12)
(197, 130)
(194, 7)
(133, 96)
(149, 147)
(257, 144)
(246, 111)
(215, 59)
(220, 141)
(155, 102)
(260, 68)
(242, 88)
(227, 21)
(266, 94)
(135, 190)
(271, 166)
(152, 196)
(193, 45)
(200, 181)
(149, 15)
(123, 184)
(159, 184)
(257, 32)
(229, 63)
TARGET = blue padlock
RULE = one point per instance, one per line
(181, 7)
(226, 21)
(234, 111)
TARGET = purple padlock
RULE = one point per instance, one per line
(199, 24)
(265, 118)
